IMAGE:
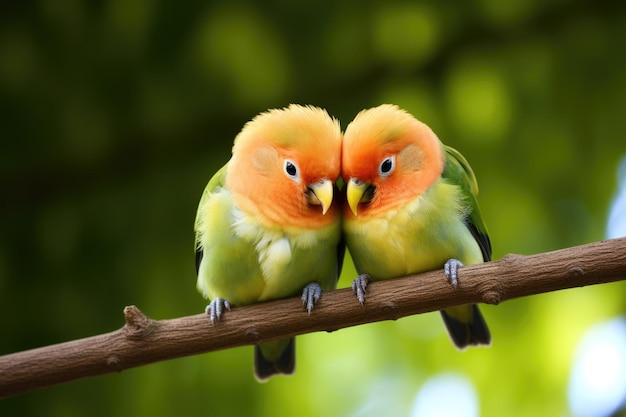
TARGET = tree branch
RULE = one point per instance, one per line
(142, 340)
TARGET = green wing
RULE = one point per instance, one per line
(216, 181)
(458, 171)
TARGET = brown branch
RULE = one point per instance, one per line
(142, 340)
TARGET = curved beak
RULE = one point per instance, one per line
(356, 193)
(321, 193)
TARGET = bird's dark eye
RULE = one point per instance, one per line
(387, 166)
(291, 169)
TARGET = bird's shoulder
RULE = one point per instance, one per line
(458, 171)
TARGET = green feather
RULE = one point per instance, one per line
(217, 180)
(466, 324)
(459, 172)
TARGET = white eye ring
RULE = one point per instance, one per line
(387, 166)
(291, 169)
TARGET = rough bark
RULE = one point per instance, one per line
(143, 340)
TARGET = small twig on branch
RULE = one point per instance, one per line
(142, 340)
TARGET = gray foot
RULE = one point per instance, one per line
(215, 309)
(310, 294)
(450, 268)
(359, 286)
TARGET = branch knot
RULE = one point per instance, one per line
(137, 324)
(491, 291)
(115, 363)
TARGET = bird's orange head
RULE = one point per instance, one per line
(285, 164)
(388, 158)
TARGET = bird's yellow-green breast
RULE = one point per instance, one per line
(419, 235)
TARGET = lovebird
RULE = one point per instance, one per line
(411, 207)
(266, 227)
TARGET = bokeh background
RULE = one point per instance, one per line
(114, 115)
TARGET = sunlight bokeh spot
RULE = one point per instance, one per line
(446, 395)
(405, 35)
(598, 381)
(479, 100)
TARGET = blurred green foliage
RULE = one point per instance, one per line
(114, 115)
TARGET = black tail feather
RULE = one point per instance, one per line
(463, 334)
(285, 364)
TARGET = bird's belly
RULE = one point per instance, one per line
(398, 260)
(251, 264)
(385, 250)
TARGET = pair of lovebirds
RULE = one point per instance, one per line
(272, 223)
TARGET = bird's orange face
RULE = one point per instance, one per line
(285, 164)
(388, 157)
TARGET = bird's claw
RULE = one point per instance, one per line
(359, 286)
(310, 295)
(450, 268)
(216, 307)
